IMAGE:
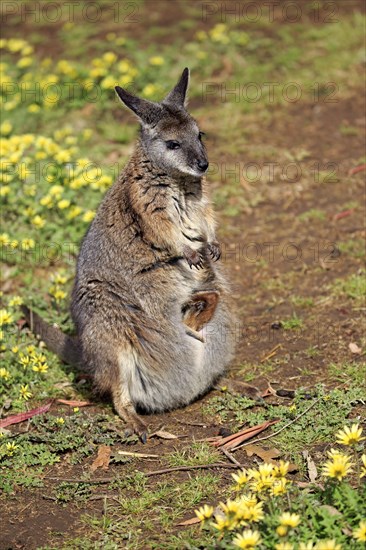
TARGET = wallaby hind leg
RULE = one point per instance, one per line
(125, 409)
(200, 309)
(111, 362)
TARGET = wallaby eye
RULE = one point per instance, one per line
(200, 135)
(171, 144)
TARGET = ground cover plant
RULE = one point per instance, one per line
(281, 104)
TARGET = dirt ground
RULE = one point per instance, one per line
(271, 253)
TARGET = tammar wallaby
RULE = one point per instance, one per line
(149, 302)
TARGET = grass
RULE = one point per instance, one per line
(353, 288)
(61, 154)
(292, 323)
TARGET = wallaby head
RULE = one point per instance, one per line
(170, 136)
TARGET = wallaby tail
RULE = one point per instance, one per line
(67, 348)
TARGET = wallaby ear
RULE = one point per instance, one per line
(177, 96)
(147, 111)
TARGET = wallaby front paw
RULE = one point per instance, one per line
(214, 250)
(193, 257)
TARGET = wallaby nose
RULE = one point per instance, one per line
(202, 165)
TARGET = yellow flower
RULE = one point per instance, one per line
(46, 201)
(58, 294)
(327, 545)
(282, 530)
(15, 301)
(24, 62)
(231, 507)
(4, 239)
(4, 373)
(40, 367)
(109, 57)
(350, 436)
(63, 156)
(56, 191)
(4, 190)
(289, 520)
(363, 468)
(27, 244)
(205, 512)
(10, 448)
(149, 90)
(241, 478)
(222, 524)
(124, 66)
(33, 108)
(6, 128)
(279, 487)
(24, 360)
(108, 82)
(201, 35)
(88, 216)
(5, 317)
(76, 409)
(38, 222)
(338, 467)
(248, 539)
(24, 392)
(59, 279)
(74, 212)
(281, 470)
(284, 546)
(250, 510)
(60, 420)
(306, 545)
(156, 60)
(360, 533)
(64, 203)
(15, 349)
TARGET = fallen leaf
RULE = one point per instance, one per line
(357, 169)
(71, 403)
(102, 459)
(312, 471)
(234, 440)
(343, 214)
(191, 521)
(20, 417)
(267, 455)
(354, 348)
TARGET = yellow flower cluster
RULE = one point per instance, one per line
(269, 479)
(44, 90)
(33, 360)
(222, 34)
(56, 290)
(21, 166)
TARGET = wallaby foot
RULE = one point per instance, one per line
(125, 409)
(214, 250)
(240, 388)
(200, 309)
(193, 257)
